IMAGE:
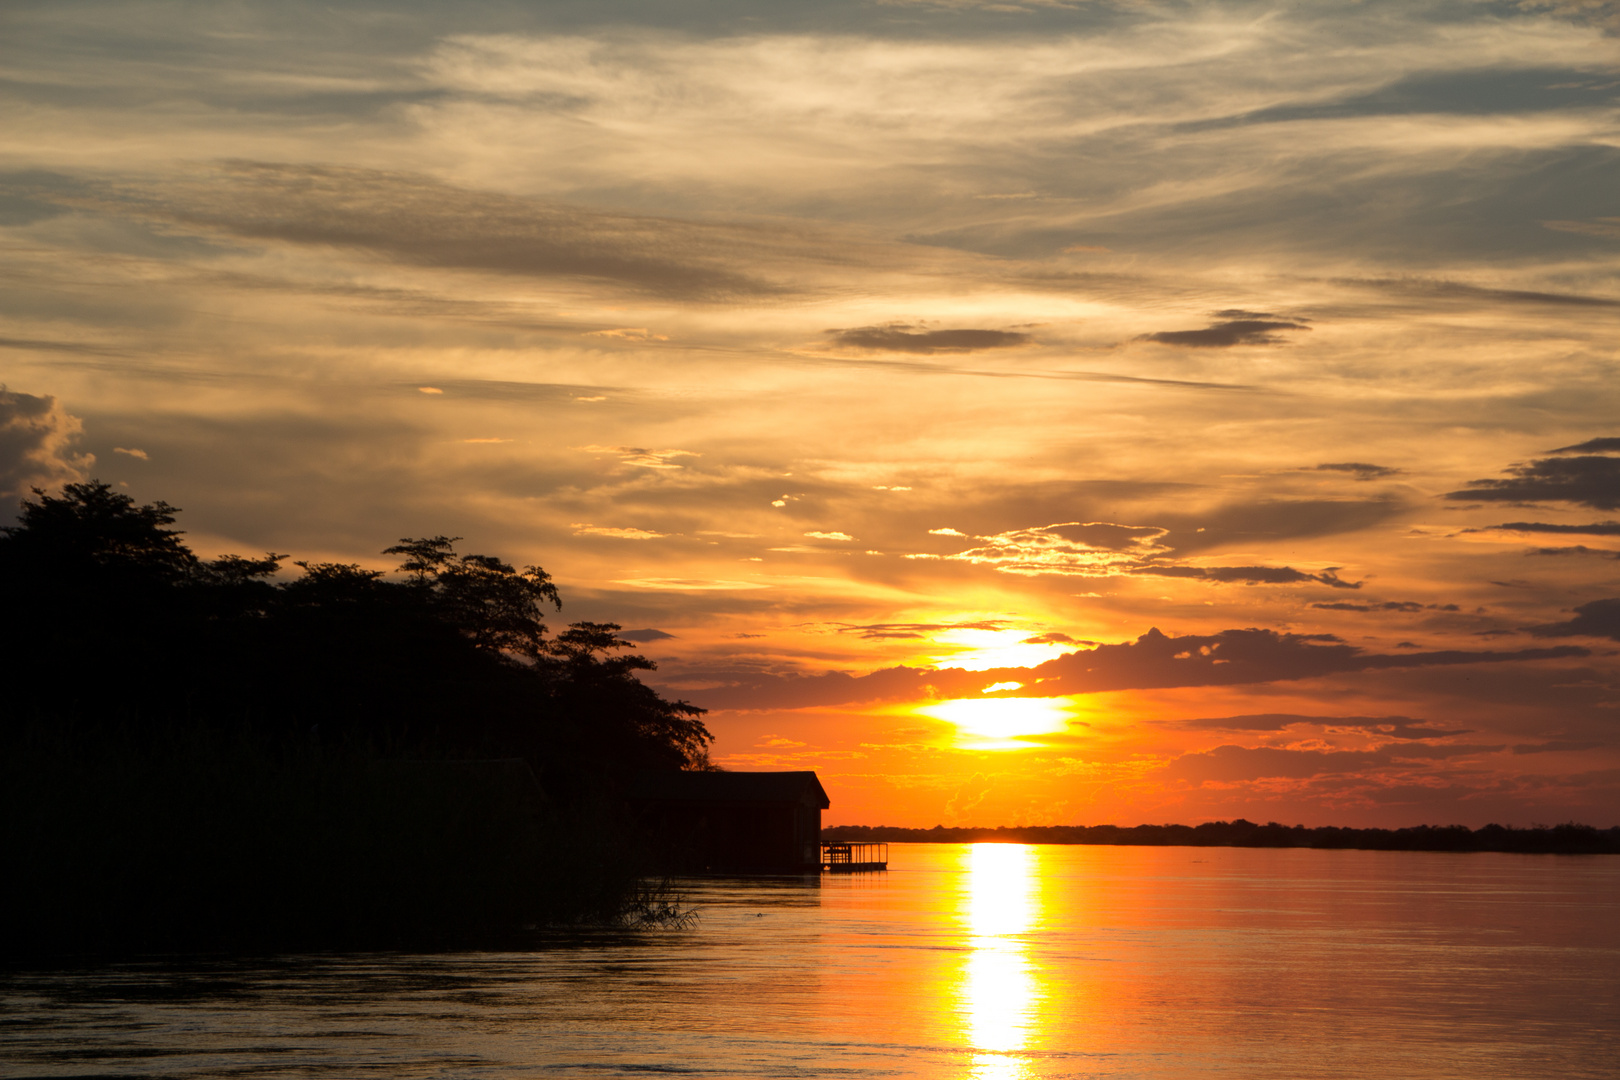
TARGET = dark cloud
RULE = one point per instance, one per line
(1394, 727)
(1272, 520)
(1578, 549)
(1554, 747)
(1360, 470)
(1599, 528)
(1455, 290)
(1237, 657)
(903, 631)
(1250, 575)
(1237, 328)
(644, 636)
(1488, 90)
(1591, 446)
(1588, 480)
(40, 345)
(751, 690)
(1054, 638)
(1153, 661)
(900, 337)
(1600, 618)
(1387, 605)
(1226, 764)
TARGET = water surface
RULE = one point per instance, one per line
(982, 961)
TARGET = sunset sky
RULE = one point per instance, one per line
(1029, 412)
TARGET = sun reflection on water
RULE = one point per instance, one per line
(999, 1004)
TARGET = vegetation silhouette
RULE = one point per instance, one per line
(1566, 839)
(199, 755)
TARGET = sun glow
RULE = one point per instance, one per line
(982, 650)
(1002, 723)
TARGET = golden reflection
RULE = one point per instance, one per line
(999, 1000)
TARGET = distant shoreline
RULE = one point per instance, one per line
(1566, 839)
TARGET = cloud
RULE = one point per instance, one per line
(1088, 549)
(751, 690)
(673, 584)
(1272, 520)
(967, 796)
(1104, 549)
(419, 220)
(1600, 618)
(901, 337)
(1599, 528)
(1359, 470)
(1604, 13)
(1231, 764)
(1387, 605)
(1605, 445)
(1554, 747)
(1250, 575)
(642, 457)
(1394, 727)
(1585, 481)
(1606, 227)
(829, 536)
(904, 631)
(139, 455)
(1578, 549)
(1237, 657)
(1456, 290)
(1238, 328)
(586, 529)
(37, 438)
(1153, 661)
(646, 635)
(628, 333)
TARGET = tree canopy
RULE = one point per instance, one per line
(112, 619)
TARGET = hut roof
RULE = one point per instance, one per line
(730, 787)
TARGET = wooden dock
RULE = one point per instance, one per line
(854, 858)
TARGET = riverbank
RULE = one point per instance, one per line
(1566, 839)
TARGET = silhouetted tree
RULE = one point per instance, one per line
(111, 618)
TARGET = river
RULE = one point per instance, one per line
(987, 961)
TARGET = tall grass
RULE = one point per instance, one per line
(196, 840)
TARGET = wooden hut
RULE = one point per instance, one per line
(733, 822)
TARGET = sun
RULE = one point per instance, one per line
(1002, 723)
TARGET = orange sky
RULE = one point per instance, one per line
(1018, 413)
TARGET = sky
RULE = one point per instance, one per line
(1020, 413)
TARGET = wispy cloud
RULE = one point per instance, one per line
(1104, 549)
(1235, 328)
(642, 457)
(904, 338)
(615, 532)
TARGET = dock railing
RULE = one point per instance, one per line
(839, 858)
